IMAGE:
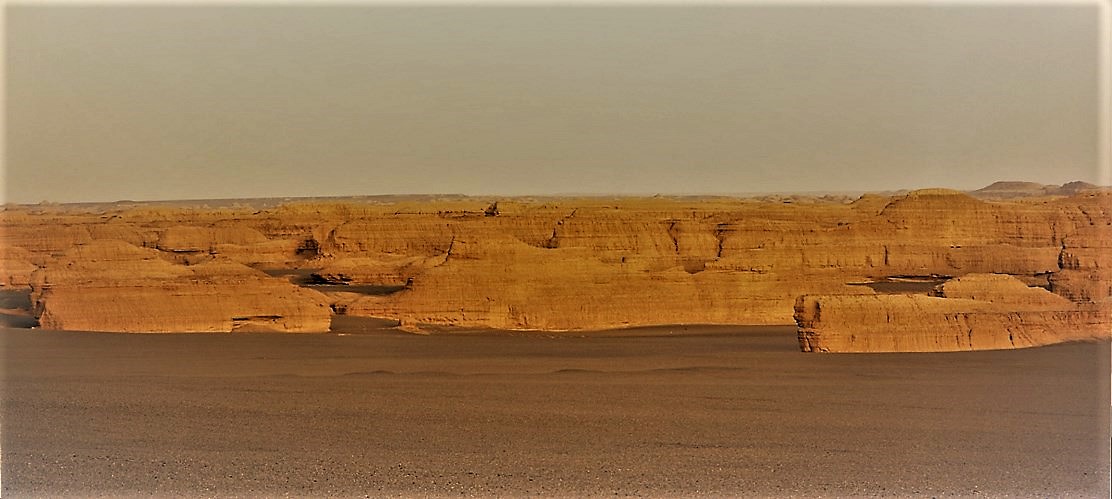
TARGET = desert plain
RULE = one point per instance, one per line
(930, 342)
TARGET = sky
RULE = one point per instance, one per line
(107, 103)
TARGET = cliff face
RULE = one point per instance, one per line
(15, 267)
(505, 283)
(558, 264)
(630, 265)
(110, 285)
(974, 312)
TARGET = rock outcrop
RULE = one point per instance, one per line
(974, 312)
(109, 285)
(15, 267)
(557, 263)
(505, 283)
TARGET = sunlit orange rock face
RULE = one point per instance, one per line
(110, 285)
(1066, 240)
(973, 312)
(563, 263)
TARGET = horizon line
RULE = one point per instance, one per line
(496, 196)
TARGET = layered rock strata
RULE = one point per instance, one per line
(974, 312)
(566, 263)
(505, 283)
(109, 285)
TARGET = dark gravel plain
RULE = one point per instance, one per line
(682, 411)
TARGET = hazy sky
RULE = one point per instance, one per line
(108, 103)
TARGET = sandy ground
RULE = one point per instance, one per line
(650, 412)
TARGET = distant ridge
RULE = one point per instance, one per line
(1008, 189)
(1076, 187)
(1018, 189)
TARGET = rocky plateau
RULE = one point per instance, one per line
(993, 271)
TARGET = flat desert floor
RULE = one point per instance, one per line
(648, 412)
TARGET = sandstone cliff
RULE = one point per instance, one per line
(555, 263)
(505, 283)
(15, 267)
(110, 285)
(974, 312)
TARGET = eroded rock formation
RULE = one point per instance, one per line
(558, 263)
(974, 312)
(109, 285)
(505, 283)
